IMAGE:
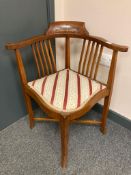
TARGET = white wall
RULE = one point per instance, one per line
(111, 20)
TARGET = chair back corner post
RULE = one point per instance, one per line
(67, 52)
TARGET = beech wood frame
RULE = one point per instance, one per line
(67, 29)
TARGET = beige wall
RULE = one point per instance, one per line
(59, 9)
(112, 20)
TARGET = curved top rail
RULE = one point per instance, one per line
(63, 29)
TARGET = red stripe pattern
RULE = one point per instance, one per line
(43, 86)
(66, 90)
(79, 91)
(100, 86)
(90, 87)
(33, 83)
(54, 88)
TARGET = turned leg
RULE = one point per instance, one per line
(30, 110)
(105, 114)
(64, 129)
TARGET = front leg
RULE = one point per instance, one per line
(64, 129)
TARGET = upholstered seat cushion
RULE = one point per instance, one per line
(66, 90)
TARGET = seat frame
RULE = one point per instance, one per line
(66, 29)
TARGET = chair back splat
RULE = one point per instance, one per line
(66, 94)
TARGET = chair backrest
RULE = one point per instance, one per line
(90, 52)
(67, 30)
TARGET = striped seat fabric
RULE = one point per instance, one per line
(66, 90)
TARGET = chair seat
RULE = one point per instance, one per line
(66, 90)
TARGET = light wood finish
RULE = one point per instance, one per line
(94, 61)
(24, 82)
(89, 64)
(67, 53)
(89, 122)
(101, 41)
(44, 57)
(90, 58)
(64, 128)
(86, 57)
(110, 86)
(52, 55)
(81, 57)
(21, 67)
(48, 57)
(40, 59)
(67, 28)
(95, 122)
(36, 61)
(45, 119)
(98, 61)
(89, 61)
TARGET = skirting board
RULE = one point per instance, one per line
(125, 122)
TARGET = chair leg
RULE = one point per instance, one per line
(30, 110)
(104, 114)
(64, 129)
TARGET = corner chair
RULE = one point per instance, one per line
(67, 94)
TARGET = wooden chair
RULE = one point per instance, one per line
(66, 95)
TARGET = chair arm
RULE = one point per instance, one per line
(108, 44)
(26, 42)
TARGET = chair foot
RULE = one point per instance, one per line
(104, 115)
(32, 124)
(64, 163)
(30, 111)
(103, 130)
